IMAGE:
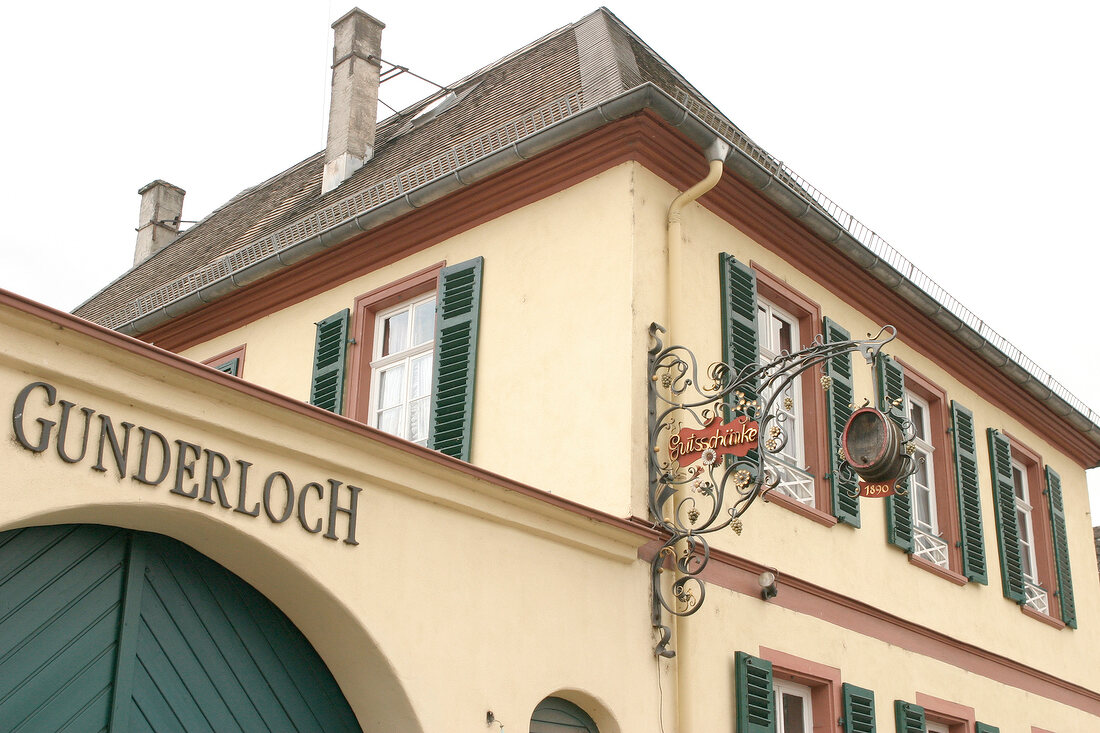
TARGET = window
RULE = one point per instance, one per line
(928, 543)
(794, 708)
(778, 332)
(926, 520)
(397, 334)
(1034, 594)
(937, 521)
(230, 362)
(762, 316)
(402, 369)
(802, 691)
(374, 346)
(1031, 531)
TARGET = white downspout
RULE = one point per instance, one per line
(716, 153)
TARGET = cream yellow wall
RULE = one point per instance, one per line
(858, 562)
(554, 342)
(745, 623)
(461, 597)
(571, 285)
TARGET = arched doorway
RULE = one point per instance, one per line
(103, 628)
(557, 715)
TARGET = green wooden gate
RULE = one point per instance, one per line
(107, 629)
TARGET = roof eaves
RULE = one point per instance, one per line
(186, 235)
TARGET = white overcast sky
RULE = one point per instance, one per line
(964, 133)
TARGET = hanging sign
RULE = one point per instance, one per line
(736, 438)
(878, 489)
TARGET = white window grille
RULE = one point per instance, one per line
(930, 547)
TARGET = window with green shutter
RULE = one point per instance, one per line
(909, 718)
(899, 508)
(755, 699)
(329, 362)
(1004, 506)
(859, 709)
(1061, 548)
(986, 728)
(838, 408)
(459, 305)
(968, 493)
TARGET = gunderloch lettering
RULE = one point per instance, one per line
(196, 472)
(737, 437)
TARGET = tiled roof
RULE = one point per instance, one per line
(513, 86)
(574, 67)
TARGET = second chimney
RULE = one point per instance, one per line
(158, 218)
(353, 113)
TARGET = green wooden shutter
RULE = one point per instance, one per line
(909, 717)
(457, 309)
(838, 405)
(755, 696)
(1061, 548)
(329, 360)
(1004, 506)
(859, 709)
(969, 493)
(890, 383)
(230, 367)
(986, 728)
(899, 507)
(740, 340)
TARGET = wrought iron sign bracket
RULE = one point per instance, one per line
(716, 443)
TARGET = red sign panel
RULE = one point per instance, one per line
(877, 489)
(736, 438)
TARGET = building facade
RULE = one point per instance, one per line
(400, 395)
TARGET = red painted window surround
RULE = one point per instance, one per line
(235, 353)
(823, 681)
(958, 718)
(364, 314)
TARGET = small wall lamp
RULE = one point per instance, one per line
(767, 581)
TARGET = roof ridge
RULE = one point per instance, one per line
(688, 86)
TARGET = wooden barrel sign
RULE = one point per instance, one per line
(872, 444)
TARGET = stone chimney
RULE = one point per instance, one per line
(356, 65)
(158, 218)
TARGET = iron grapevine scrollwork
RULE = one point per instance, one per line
(709, 494)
